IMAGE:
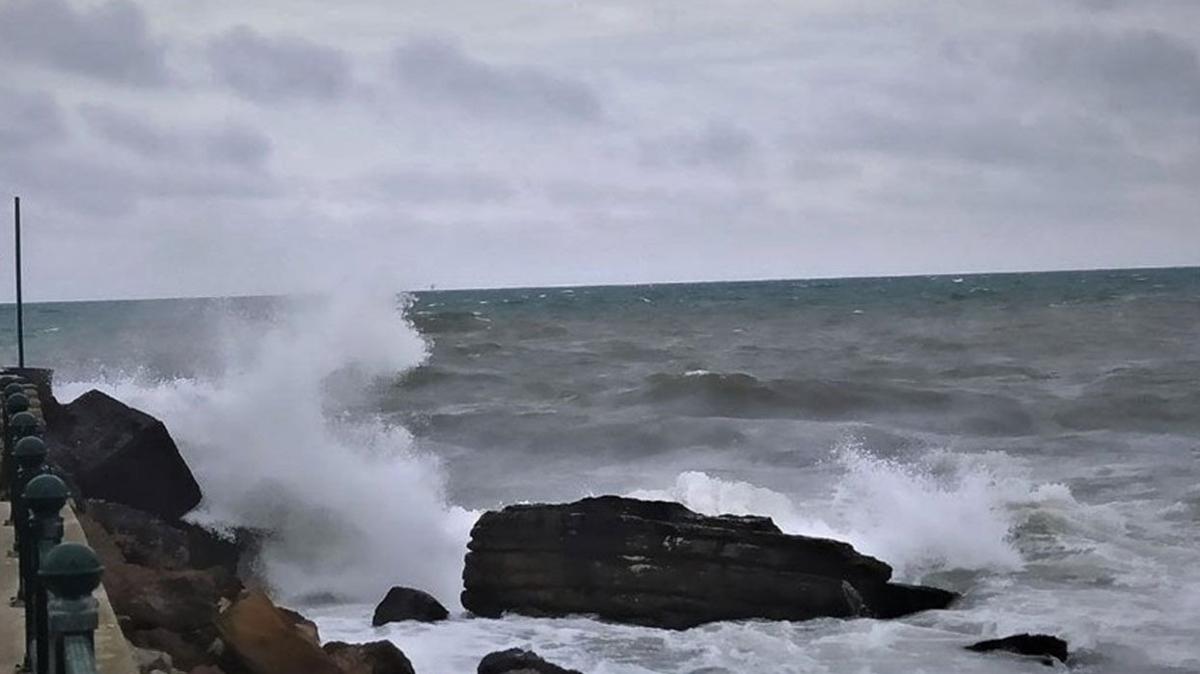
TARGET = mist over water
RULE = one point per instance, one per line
(1028, 440)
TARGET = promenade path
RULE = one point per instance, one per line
(113, 653)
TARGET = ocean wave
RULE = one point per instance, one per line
(441, 322)
(705, 393)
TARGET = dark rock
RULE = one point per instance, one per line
(897, 599)
(303, 626)
(1040, 645)
(149, 541)
(517, 661)
(404, 603)
(185, 653)
(377, 657)
(659, 564)
(116, 453)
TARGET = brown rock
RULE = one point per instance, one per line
(377, 657)
(305, 627)
(265, 642)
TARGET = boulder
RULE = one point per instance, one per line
(303, 626)
(659, 564)
(377, 657)
(116, 453)
(1042, 646)
(149, 541)
(517, 661)
(264, 641)
(405, 603)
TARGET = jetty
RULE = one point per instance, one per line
(55, 617)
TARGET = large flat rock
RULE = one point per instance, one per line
(657, 563)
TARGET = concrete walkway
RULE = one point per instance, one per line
(113, 653)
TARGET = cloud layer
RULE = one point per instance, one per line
(233, 148)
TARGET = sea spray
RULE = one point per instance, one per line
(942, 511)
(348, 506)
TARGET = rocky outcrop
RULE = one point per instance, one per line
(405, 603)
(659, 564)
(1042, 646)
(164, 580)
(263, 640)
(517, 661)
(377, 657)
(116, 453)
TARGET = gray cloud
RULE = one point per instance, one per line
(109, 41)
(130, 132)
(28, 119)
(266, 69)
(1141, 71)
(443, 73)
(239, 145)
(429, 187)
(719, 144)
(228, 143)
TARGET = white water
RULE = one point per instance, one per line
(351, 508)
(354, 509)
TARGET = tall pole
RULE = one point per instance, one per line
(20, 316)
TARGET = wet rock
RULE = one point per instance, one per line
(149, 541)
(116, 453)
(263, 640)
(150, 661)
(659, 564)
(1043, 646)
(404, 603)
(303, 626)
(377, 657)
(517, 661)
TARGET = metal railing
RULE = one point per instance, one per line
(56, 578)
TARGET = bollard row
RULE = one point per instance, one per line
(56, 578)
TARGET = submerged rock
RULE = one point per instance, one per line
(405, 603)
(517, 661)
(1043, 646)
(377, 657)
(659, 564)
(116, 453)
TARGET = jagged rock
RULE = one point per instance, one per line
(1043, 646)
(116, 453)
(303, 626)
(657, 563)
(377, 657)
(404, 603)
(517, 661)
(149, 541)
(151, 661)
(265, 642)
(184, 652)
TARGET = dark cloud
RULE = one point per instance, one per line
(28, 119)
(719, 144)
(129, 131)
(1138, 71)
(229, 143)
(238, 145)
(443, 73)
(109, 41)
(267, 69)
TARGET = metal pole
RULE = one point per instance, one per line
(20, 316)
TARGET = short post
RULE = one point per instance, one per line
(45, 496)
(71, 572)
(31, 459)
(20, 424)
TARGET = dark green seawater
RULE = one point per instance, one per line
(1031, 440)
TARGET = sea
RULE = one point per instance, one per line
(1030, 440)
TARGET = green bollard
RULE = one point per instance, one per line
(45, 496)
(30, 455)
(71, 572)
(20, 424)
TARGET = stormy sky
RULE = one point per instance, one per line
(219, 147)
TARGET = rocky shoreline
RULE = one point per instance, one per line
(188, 600)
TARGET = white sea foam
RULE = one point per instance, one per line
(350, 507)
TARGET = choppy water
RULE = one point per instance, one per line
(1032, 440)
